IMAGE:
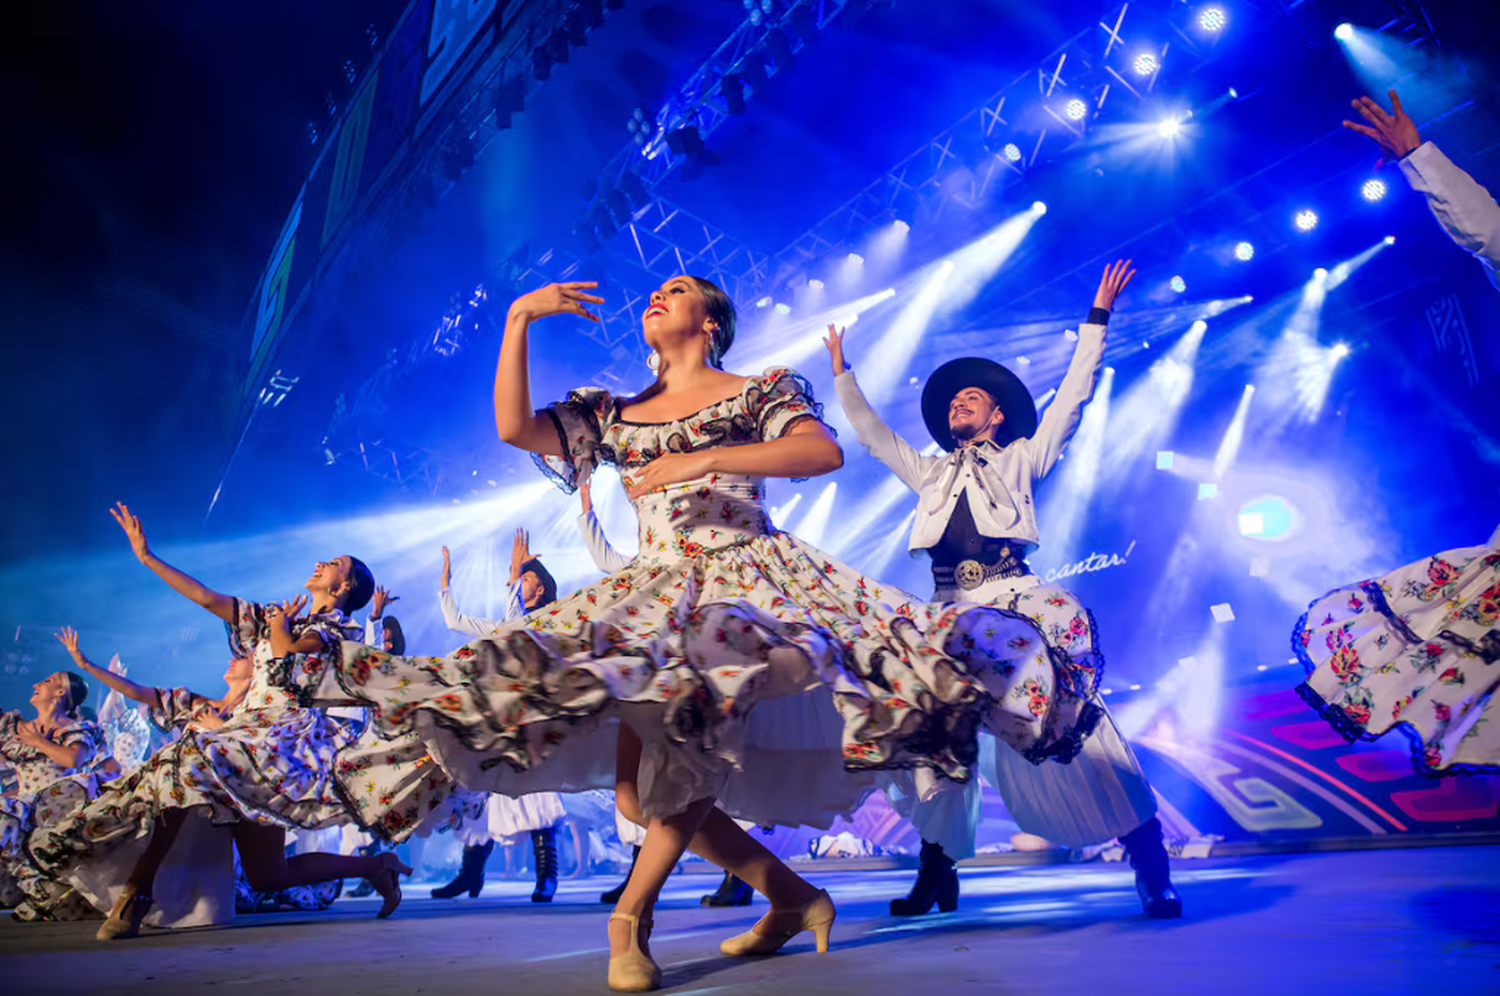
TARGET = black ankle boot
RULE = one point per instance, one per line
(470, 877)
(731, 892)
(1153, 871)
(937, 882)
(544, 850)
(613, 895)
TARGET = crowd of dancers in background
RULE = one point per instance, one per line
(728, 675)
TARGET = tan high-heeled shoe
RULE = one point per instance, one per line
(633, 971)
(387, 882)
(817, 916)
(125, 919)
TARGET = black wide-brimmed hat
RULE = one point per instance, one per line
(549, 584)
(975, 371)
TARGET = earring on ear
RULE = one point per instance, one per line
(654, 361)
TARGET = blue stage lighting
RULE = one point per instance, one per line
(1012, 152)
(815, 284)
(1212, 19)
(1244, 252)
(1390, 240)
(1320, 274)
(1075, 109)
(1039, 207)
(1178, 284)
(856, 259)
(901, 226)
(1306, 220)
(1339, 351)
(1269, 518)
(764, 302)
(1146, 64)
(1373, 189)
(1169, 127)
(1344, 31)
(783, 309)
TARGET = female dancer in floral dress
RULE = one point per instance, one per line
(1419, 648)
(253, 761)
(42, 753)
(730, 661)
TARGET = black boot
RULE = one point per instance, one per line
(544, 850)
(1153, 872)
(937, 882)
(470, 877)
(731, 892)
(613, 895)
(364, 887)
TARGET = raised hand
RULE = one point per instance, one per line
(447, 570)
(68, 637)
(283, 613)
(1116, 276)
(669, 468)
(380, 600)
(569, 298)
(834, 340)
(133, 530)
(1394, 133)
(520, 553)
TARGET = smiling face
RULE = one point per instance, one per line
(678, 314)
(51, 689)
(239, 669)
(973, 415)
(330, 577)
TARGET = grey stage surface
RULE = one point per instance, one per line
(1356, 923)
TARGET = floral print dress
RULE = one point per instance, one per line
(1417, 649)
(40, 792)
(754, 668)
(270, 761)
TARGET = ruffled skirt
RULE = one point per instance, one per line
(1417, 649)
(762, 673)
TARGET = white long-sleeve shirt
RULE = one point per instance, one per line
(1466, 210)
(604, 556)
(997, 480)
(474, 625)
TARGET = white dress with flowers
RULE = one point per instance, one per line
(754, 669)
(1417, 649)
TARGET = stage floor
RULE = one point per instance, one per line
(1336, 924)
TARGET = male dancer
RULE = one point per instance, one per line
(531, 587)
(976, 522)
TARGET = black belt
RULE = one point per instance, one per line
(966, 575)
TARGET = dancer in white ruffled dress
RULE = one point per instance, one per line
(253, 760)
(1418, 649)
(682, 656)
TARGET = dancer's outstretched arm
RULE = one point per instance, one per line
(1062, 416)
(189, 587)
(882, 442)
(456, 620)
(517, 422)
(114, 682)
(806, 450)
(605, 557)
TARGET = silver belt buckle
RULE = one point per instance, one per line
(969, 574)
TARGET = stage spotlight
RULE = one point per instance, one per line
(1146, 64)
(1320, 273)
(856, 259)
(1306, 220)
(1244, 252)
(1011, 152)
(1178, 284)
(1075, 109)
(764, 302)
(815, 284)
(1234, 94)
(1339, 351)
(901, 226)
(1344, 31)
(783, 309)
(1390, 240)
(1373, 190)
(1212, 19)
(1039, 207)
(1169, 127)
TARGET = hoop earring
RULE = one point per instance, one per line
(654, 361)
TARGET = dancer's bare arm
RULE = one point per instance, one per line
(189, 587)
(518, 423)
